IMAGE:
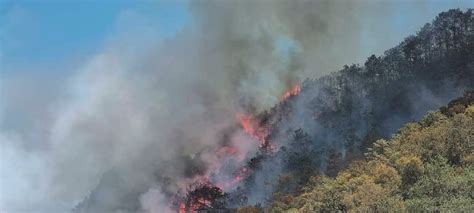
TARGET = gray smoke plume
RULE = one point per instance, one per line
(140, 111)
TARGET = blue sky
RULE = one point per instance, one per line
(53, 34)
(47, 32)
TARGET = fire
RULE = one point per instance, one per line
(231, 183)
(227, 150)
(192, 208)
(253, 128)
(258, 129)
(243, 173)
(182, 208)
(295, 90)
(198, 204)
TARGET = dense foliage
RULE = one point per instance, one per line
(427, 166)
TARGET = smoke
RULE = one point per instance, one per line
(142, 117)
(154, 201)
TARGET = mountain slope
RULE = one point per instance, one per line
(427, 166)
(329, 123)
(335, 118)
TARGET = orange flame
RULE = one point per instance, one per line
(252, 127)
(193, 207)
(295, 90)
(241, 175)
(227, 150)
(182, 208)
(255, 129)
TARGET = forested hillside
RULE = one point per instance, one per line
(427, 166)
(334, 119)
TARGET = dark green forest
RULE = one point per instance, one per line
(426, 166)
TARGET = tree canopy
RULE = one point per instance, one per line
(426, 166)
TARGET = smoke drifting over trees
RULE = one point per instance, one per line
(133, 130)
(344, 113)
(333, 119)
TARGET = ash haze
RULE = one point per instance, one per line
(95, 95)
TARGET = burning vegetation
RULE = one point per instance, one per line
(295, 90)
(318, 144)
(337, 102)
(204, 197)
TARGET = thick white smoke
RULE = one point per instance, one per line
(141, 106)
